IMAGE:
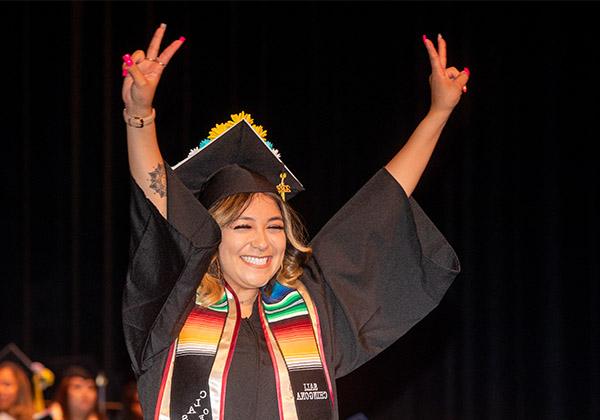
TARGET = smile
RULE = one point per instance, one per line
(256, 261)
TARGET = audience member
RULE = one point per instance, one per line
(15, 393)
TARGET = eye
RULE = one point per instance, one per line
(276, 227)
(243, 226)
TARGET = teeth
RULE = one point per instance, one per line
(255, 260)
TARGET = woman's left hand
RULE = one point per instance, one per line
(447, 83)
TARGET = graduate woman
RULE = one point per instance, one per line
(227, 312)
(15, 393)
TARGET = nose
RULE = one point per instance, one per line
(260, 240)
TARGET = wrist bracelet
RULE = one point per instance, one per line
(138, 122)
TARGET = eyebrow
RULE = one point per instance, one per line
(274, 218)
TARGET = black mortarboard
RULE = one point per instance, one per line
(236, 158)
(40, 376)
(76, 370)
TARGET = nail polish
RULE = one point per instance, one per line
(127, 60)
(424, 38)
(125, 72)
(467, 71)
(182, 38)
(163, 25)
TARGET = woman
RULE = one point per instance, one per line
(15, 393)
(76, 397)
(227, 313)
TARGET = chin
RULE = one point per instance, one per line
(263, 283)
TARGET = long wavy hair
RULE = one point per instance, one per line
(22, 409)
(226, 211)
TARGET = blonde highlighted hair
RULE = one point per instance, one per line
(22, 408)
(226, 211)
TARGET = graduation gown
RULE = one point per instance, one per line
(378, 267)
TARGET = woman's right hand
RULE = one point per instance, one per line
(142, 73)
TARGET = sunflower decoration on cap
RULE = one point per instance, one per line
(221, 128)
(236, 157)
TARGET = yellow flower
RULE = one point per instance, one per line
(219, 129)
(262, 133)
(236, 118)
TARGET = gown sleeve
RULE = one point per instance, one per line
(167, 261)
(379, 266)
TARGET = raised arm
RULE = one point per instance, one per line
(142, 72)
(447, 86)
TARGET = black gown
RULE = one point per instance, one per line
(379, 266)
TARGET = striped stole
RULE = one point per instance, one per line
(292, 331)
(195, 379)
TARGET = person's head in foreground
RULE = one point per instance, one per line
(262, 239)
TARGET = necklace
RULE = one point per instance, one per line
(246, 301)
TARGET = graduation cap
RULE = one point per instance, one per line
(236, 158)
(77, 370)
(40, 376)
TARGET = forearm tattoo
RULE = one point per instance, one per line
(158, 180)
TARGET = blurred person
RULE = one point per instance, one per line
(15, 393)
(76, 397)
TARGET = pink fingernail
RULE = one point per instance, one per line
(464, 89)
(124, 72)
(182, 38)
(466, 70)
(424, 38)
(126, 57)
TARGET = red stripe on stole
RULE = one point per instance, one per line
(163, 382)
(231, 349)
(202, 316)
(264, 323)
(293, 328)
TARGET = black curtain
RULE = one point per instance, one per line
(340, 86)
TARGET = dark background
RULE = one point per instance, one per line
(339, 86)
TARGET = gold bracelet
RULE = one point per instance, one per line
(138, 122)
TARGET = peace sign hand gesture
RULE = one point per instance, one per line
(447, 84)
(142, 73)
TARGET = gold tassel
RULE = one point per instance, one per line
(283, 188)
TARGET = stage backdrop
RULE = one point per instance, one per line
(340, 86)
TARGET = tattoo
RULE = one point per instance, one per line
(158, 180)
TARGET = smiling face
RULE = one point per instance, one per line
(253, 245)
